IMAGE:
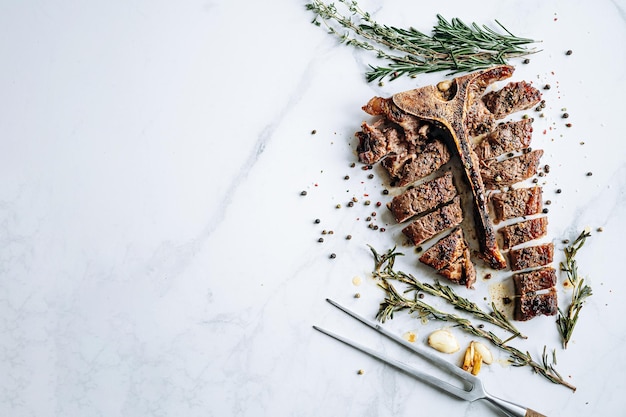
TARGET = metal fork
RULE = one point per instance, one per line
(475, 390)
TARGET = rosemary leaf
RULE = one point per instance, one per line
(566, 320)
(453, 46)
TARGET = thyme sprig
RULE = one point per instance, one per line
(395, 301)
(383, 269)
(566, 321)
(454, 46)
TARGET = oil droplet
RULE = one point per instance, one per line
(356, 281)
(410, 336)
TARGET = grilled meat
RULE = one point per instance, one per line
(434, 223)
(524, 231)
(447, 104)
(513, 97)
(422, 198)
(461, 271)
(534, 304)
(450, 256)
(516, 203)
(537, 280)
(506, 137)
(531, 257)
(510, 171)
(406, 169)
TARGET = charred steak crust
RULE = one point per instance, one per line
(513, 97)
(516, 203)
(448, 249)
(537, 280)
(461, 271)
(506, 137)
(531, 257)
(422, 198)
(524, 231)
(510, 171)
(434, 223)
(420, 164)
(534, 304)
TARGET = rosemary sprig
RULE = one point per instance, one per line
(581, 291)
(394, 301)
(383, 269)
(454, 46)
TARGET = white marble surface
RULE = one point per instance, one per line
(157, 259)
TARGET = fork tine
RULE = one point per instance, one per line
(422, 376)
(436, 360)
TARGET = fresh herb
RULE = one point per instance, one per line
(394, 301)
(454, 46)
(566, 321)
(383, 269)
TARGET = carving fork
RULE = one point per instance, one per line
(475, 390)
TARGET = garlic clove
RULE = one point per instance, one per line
(443, 341)
(484, 352)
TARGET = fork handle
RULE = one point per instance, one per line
(533, 413)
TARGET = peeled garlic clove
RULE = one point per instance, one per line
(477, 361)
(443, 341)
(484, 352)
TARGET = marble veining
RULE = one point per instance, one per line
(157, 257)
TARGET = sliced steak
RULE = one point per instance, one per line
(406, 169)
(447, 250)
(506, 137)
(534, 304)
(537, 280)
(510, 171)
(531, 257)
(422, 198)
(434, 223)
(461, 271)
(414, 128)
(516, 203)
(524, 231)
(513, 97)
(378, 140)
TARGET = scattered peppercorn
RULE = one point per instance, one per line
(547, 87)
(330, 232)
(600, 229)
(378, 204)
(338, 206)
(568, 125)
(324, 232)
(535, 180)
(420, 295)
(313, 131)
(368, 218)
(487, 276)
(361, 372)
(303, 193)
(347, 177)
(568, 52)
(546, 168)
(589, 173)
(418, 249)
(370, 176)
(545, 210)
(548, 202)
(357, 295)
(373, 214)
(559, 191)
(333, 256)
(566, 241)
(317, 221)
(565, 115)
(352, 165)
(382, 229)
(367, 202)
(481, 326)
(526, 61)
(350, 204)
(385, 191)
(348, 237)
(321, 239)
(506, 300)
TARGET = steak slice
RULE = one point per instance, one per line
(537, 280)
(461, 271)
(377, 141)
(406, 169)
(422, 198)
(534, 304)
(506, 137)
(524, 231)
(447, 250)
(513, 97)
(516, 203)
(510, 171)
(414, 128)
(531, 257)
(434, 223)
